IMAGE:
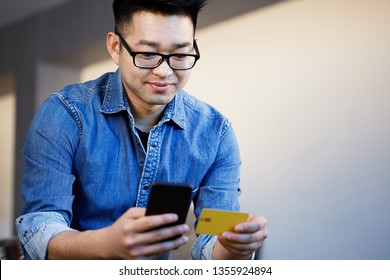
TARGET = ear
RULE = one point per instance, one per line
(113, 46)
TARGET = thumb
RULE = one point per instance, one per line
(135, 213)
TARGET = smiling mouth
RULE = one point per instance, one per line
(160, 87)
(160, 84)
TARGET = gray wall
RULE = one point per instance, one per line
(310, 103)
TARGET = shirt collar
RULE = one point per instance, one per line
(115, 100)
(175, 111)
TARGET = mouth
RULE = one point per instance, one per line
(160, 87)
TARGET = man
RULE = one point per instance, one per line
(94, 149)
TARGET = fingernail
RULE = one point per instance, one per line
(183, 240)
(239, 228)
(186, 228)
(226, 235)
(173, 217)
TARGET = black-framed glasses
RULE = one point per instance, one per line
(150, 60)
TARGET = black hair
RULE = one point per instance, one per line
(125, 9)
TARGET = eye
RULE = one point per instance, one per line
(147, 56)
(180, 57)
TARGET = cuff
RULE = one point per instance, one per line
(207, 251)
(35, 230)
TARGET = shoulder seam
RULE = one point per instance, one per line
(72, 110)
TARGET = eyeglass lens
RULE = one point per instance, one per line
(174, 61)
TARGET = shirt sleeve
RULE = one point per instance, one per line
(220, 188)
(50, 146)
(48, 179)
(203, 247)
(35, 230)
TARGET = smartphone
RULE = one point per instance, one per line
(170, 198)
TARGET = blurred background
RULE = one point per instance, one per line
(306, 84)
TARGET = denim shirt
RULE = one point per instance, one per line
(85, 164)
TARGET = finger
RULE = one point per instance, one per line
(153, 250)
(242, 244)
(240, 249)
(242, 238)
(148, 223)
(255, 223)
(247, 227)
(162, 234)
(135, 213)
(245, 238)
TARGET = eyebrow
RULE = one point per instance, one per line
(157, 45)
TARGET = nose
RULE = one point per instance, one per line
(163, 70)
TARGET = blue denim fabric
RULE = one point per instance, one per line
(85, 164)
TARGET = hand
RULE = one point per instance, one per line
(246, 238)
(133, 235)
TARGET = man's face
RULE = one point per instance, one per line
(149, 89)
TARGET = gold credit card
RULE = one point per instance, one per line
(215, 222)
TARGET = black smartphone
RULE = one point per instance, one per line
(170, 198)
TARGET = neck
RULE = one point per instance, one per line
(146, 115)
(146, 119)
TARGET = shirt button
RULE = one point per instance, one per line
(146, 187)
(20, 220)
(154, 144)
(25, 233)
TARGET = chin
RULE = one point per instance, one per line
(162, 99)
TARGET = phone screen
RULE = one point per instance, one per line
(170, 198)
